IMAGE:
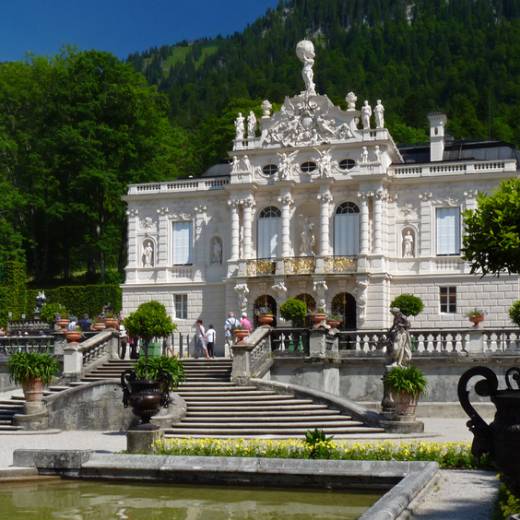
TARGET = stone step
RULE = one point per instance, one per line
(250, 399)
(250, 393)
(9, 428)
(249, 420)
(225, 432)
(7, 405)
(258, 408)
(245, 405)
(241, 412)
(306, 423)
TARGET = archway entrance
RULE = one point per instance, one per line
(311, 306)
(344, 304)
(262, 302)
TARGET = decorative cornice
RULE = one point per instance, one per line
(163, 211)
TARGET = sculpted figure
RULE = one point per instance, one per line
(325, 163)
(247, 163)
(266, 108)
(242, 291)
(366, 114)
(216, 251)
(305, 52)
(399, 340)
(351, 99)
(379, 114)
(286, 164)
(239, 127)
(235, 165)
(408, 245)
(307, 237)
(251, 125)
(364, 155)
(148, 255)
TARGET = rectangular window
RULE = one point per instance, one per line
(180, 302)
(448, 231)
(182, 243)
(448, 299)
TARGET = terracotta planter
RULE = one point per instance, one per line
(476, 320)
(33, 390)
(318, 317)
(334, 323)
(240, 335)
(73, 336)
(404, 404)
(265, 319)
(62, 323)
(99, 325)
(111, 323)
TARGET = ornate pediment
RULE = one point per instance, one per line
(307, 120)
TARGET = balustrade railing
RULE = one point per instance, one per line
(290, 340)
(11, 344)
(503, 341)
(98, 346)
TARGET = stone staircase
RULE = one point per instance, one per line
(216, 407)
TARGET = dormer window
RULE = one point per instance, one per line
(270, 169)
(347, 164)
(308, 167)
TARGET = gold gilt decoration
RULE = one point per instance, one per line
(260, 267)
(340, 264)
(300, 265)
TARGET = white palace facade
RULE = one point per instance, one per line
(319, 203)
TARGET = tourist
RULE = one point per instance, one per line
(211, 335)
(72, 323)
(245, 323)
(123, 339)
(85, 323)
(133, 344)
(200, 339)
(230, 324)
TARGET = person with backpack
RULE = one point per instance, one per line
(230, 324)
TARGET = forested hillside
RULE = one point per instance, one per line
(459, 56)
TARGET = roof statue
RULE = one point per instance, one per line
(305, 52)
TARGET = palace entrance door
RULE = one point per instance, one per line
(344, 304)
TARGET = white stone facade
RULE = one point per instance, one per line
(316, 203)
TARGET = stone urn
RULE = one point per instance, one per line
(62, 323)
(476, 319)
(240, 334)
(145, 397)
(33, 390)
(333, 324)
(404, 404)
(111, 323)
(73, 336)
(265, 319)
(99, 326)
(500, 439)
(318, 317)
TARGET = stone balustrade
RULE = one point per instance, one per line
(188, 185)
(453, 168)
(41, 343)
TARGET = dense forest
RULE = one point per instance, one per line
(76, 128)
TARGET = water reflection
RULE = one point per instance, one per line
(74, 500)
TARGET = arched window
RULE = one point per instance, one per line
(308, 300)
(346, 230)
(265, 302)
(268, 231)
(344, 305)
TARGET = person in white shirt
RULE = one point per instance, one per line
(201, 340)
(211, 336)
(229, 325)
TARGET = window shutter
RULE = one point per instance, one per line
(182, 233)
(448, 231)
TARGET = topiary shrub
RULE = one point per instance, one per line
(294, 310)
(408, 304)
(514, 312)
(50, 310)
(149, 321)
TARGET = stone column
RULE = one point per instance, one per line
(379, 198)
(248, 205)
(199, 245)
(235, 231)
(423, 245)
(364, 248)
(287, 202)
(132, 215)
(325, 199)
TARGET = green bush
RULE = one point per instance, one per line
(27, 366)
(514, 312)
(50, 310)
(294, 310)
(409, 380)
(507, 504)
(151, 369)
(408, 304)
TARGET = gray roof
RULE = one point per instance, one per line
(218, 170)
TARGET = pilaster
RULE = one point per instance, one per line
(325, 198)
(287, 202)
(132, 259)
(248, 205)
(162, 243)
(234, 204)
(425, 225)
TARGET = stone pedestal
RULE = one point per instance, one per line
(402, 425)
(36, 419)
(141, 439)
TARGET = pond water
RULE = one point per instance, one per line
(86, 500)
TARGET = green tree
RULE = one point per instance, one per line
(492, 238)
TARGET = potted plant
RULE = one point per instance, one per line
(32, 370)
(265, 316)
(334, 321)
(149, 321)
(146, 387)
(240, 333)
(319, 316)
(475, 316)
(54, 313)
(406, 384)
(73, 336)
(294, 310)
(111, 322)
(408, 304)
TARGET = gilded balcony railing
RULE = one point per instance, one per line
(300, 265)
(340, 264)
(261, 267)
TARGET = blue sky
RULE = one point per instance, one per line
(118, 26)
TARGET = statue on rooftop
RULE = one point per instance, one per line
(266, 108)
(366, 114)
(235, 165)
(305, 52)
(239, 127)
(251, 125)
(351, 99)
(379, 114)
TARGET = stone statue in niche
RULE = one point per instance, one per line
(239, 127)
(307, 237)
(251, 125)
(408, 244)
(148, 259)
(235, 165)
(305, 52)
(379, 114)
(216, 251)
(366, 114)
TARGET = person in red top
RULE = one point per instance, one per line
(245, 323)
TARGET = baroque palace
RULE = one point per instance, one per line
(319, 203)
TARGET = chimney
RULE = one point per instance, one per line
(437, 133)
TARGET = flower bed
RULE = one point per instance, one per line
(449, 455)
